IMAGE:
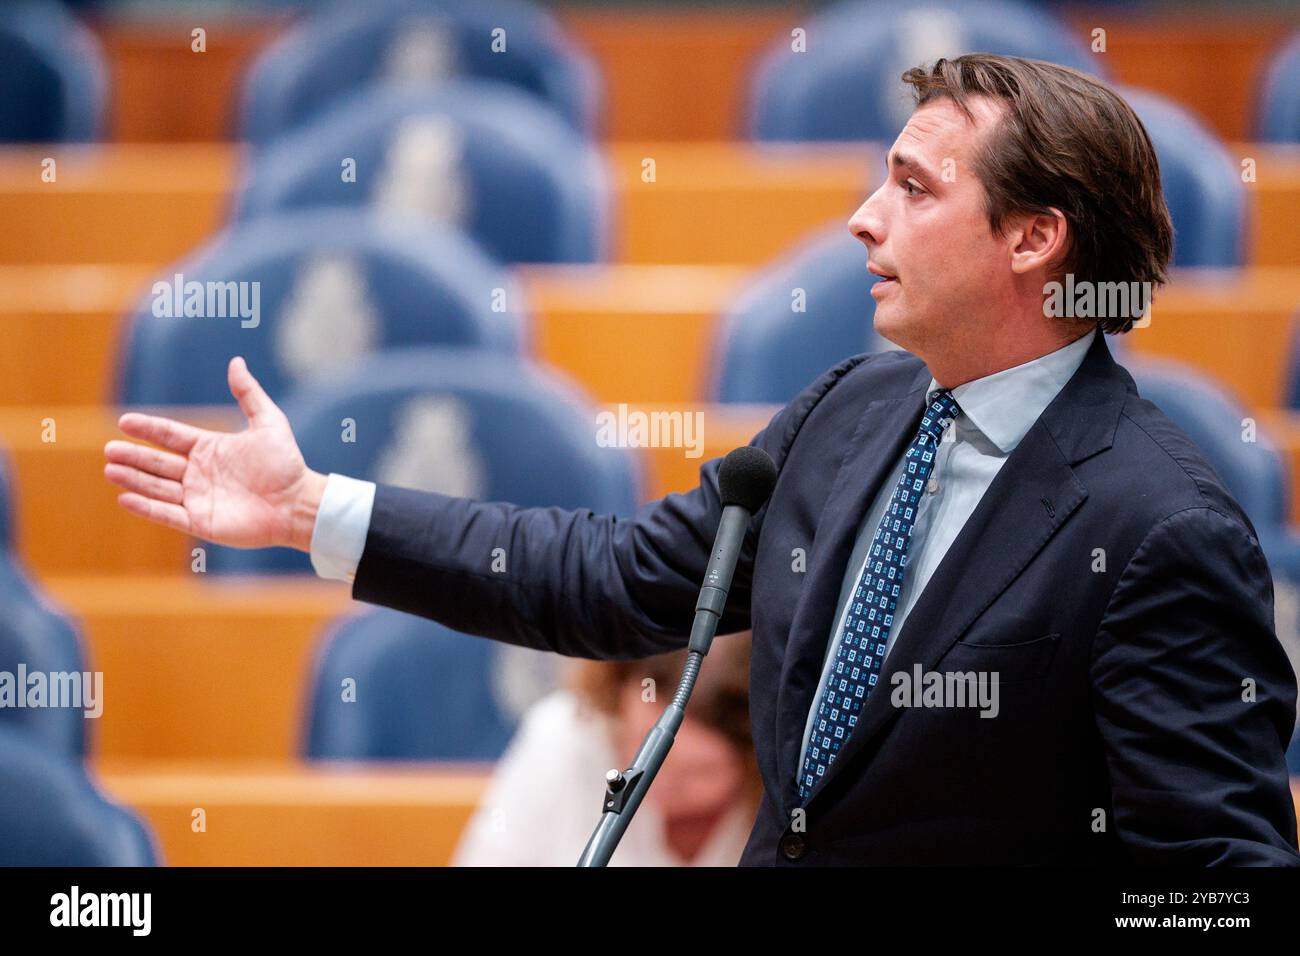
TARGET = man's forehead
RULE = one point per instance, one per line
(941, 127)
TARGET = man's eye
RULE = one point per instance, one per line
(912, 188)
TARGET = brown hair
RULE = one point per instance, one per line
(720, 700)
(1066, 141)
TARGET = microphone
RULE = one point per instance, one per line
(745, 482)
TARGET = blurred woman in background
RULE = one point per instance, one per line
(544, 798)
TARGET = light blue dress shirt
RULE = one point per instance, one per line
(997, 411)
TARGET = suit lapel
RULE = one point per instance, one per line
(1032, 496)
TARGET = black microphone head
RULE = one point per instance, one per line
(747, 477)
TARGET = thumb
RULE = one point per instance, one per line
(253, 400)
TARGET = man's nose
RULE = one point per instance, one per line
(866, 224)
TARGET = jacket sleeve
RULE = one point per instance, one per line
(1195, 699)
(574, 582)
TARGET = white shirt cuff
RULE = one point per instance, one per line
(342, 523)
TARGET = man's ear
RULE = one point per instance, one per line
(1038, 241)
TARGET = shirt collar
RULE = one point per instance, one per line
(1004, 405)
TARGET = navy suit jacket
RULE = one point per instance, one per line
(1106, 576)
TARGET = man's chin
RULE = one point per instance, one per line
(891, 324)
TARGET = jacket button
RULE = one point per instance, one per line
(793, 846)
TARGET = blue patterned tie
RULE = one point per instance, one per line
(871, 615)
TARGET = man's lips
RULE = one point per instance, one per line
(885, 277)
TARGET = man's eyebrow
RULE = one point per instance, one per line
(907, 161)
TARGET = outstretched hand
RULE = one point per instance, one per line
(250, 489)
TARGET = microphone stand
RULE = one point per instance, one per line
(624, 789)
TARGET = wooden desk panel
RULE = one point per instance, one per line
(294, 814)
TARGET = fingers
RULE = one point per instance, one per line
(253, 400)
(166, 432)
(152, 460)
(173, 516)
(151, 486)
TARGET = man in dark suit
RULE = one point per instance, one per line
(1003, 612)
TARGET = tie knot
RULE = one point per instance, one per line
(940, 414)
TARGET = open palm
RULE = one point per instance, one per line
(249, 489)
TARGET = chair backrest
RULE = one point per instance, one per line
(801, 315)
(52, 82)
(473, 424)
(1279, 105)
(329, 56)
(390, 686)
(52, 815)
(1201, 180)
(480, 155)
(322, 289)
(37, 638)
(845, 83)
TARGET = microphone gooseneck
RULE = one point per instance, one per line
(746, 480)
